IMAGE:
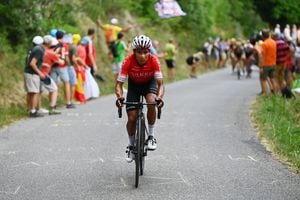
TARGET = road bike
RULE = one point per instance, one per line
(140, 147)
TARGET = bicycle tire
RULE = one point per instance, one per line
(138, 153)
(143, 149)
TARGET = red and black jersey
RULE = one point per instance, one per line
(140, 74)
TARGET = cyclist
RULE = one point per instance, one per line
(144, 78)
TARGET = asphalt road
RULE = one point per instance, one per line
(207, 149)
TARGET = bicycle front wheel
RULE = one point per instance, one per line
(138, 153)
(143, 148)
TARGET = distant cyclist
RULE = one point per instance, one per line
(144, 78)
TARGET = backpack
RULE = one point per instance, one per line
(114, 49)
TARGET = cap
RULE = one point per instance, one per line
(114, 21)
(76, 38)
(37, 40)
(53, 32)
(48, 40)
(54, 41)
(85, 40)
(59, 34)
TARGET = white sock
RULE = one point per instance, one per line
(151, 130)
(131, 140)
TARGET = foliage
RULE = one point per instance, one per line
(278, 120)
(37, 17)
(279, 11)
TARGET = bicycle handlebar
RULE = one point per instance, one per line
(138, 103)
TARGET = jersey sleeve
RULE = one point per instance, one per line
(124, 70)
(157, 71)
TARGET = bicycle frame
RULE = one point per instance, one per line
(139, 149)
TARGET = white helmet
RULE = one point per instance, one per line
(141, 42)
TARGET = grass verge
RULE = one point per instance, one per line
(278, 122)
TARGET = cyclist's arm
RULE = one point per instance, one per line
(119, 89)
(160, 88)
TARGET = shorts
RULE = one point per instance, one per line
(32, 83)
(116, 66)
(72, 75)
(135, 91)
(268, 71)
(52, 87)
(170, 63)
(62, 73)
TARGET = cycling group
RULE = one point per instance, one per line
(144, 79)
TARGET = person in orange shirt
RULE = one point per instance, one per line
(268, 62)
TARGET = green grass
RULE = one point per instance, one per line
(278, 121)
(11, 114)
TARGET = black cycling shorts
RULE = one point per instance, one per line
(136, 90)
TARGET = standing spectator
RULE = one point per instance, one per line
(119, 52)
(74, 61)
(80, 71)
(290, 64)
(281, 56)
(287, 32)
(61, 71)
(33, 76)
(277, 29)
(294, 34)
(170, 52)
(50, 57)
(268, 62)
(91, 52)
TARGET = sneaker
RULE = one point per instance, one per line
(129, 154)
(151, 143)
(71, 105)
(53, 111)
(43, 111)
(35, 114)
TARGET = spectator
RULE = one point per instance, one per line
(61, 71)
(277, 29)
(282, 50)
(193, 60)
(50, 57)
(33, 76)
(111, 30)
(268, 62)
(81, 49)
(119, 52)
(170, 52)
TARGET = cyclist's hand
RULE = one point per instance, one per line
(119, 102)
(159, 102)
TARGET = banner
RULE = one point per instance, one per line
(168, 8)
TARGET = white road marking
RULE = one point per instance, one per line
(183, 179)
(123, 182)
(13, 193)
(248, 158)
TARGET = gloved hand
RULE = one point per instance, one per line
(159, 102)
(119, 102)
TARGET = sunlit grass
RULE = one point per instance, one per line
(278, 120)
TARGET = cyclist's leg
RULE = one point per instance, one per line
(151, 90)
(133, 95)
